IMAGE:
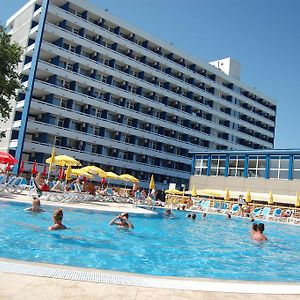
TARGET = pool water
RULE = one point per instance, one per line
(214, 248)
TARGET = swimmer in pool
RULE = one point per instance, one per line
(122, 221)
(57, 220)
(36, 205)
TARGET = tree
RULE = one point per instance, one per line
(10, 54)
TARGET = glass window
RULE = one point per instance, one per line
(236, 166)
(201, 164)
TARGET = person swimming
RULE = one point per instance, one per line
(257, 232)
(122, 221)
(36, 203)
(57, 220)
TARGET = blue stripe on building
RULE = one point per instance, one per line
(31, 79)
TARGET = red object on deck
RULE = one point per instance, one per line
(34, 169)
(6, 158)
(21, 170)
(44, 171)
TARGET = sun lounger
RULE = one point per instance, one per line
(264, 213)
(234, 209)
(224, 207)
(256, 211)
(216, 207)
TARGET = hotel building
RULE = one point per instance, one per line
(108, 94)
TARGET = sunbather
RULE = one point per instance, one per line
(57, 220)
(57, 187)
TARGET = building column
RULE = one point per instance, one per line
(267, 173)
(246, 166)
(208, 165)
(226, 172)
(290, 175)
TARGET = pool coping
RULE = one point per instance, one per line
(138, 280)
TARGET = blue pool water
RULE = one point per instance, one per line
(214, 248)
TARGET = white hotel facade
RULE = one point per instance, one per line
(110, 95)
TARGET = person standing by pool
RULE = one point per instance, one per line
(36, 205)
(258, 234)
(241, 202)
(122, 221)
(57, 220)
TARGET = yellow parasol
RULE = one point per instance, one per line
(152, 183)
(128, 177)
(51, 160)
(270, 200)
(194, 192)
(94, 170)
(248, 196)
(68, 173)
(227, 195)
(111, 175)
(63, 160)
(175, 192)
(208, 192)
(297, 202)
(79, 172)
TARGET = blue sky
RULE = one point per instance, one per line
(263, 35)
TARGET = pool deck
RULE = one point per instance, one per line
(27, 280)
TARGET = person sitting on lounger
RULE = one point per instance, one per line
(57, 220)
(40, 183)
(58, 187)
(258, 234)
(286, 214)
(122, 221)
(36, 203)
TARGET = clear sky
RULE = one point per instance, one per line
(263, 35)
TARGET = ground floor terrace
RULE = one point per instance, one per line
(27, 280)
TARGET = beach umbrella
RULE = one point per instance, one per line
(94, 170)
(44, 173)
(63, 160)
(227, 195)
(111, 175)
(34, 168)
(248, 196)
(270, 200)
(207, 192)
(6, 158)
(297, 202)
(80, 172)
(194, 192)
(128, 177)
(51, 159)
(174, 191)
(68, 173)
(21, 170)
(152, 183)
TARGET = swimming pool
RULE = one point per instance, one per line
(214, 248)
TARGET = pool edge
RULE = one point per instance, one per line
(138, 280)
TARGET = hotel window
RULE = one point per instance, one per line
(257, 166)
(296, 167)
(236, 166)
(60, 122)
(217, 165)
(279, 167)
(201, 164)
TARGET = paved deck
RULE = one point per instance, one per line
(14, 285)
